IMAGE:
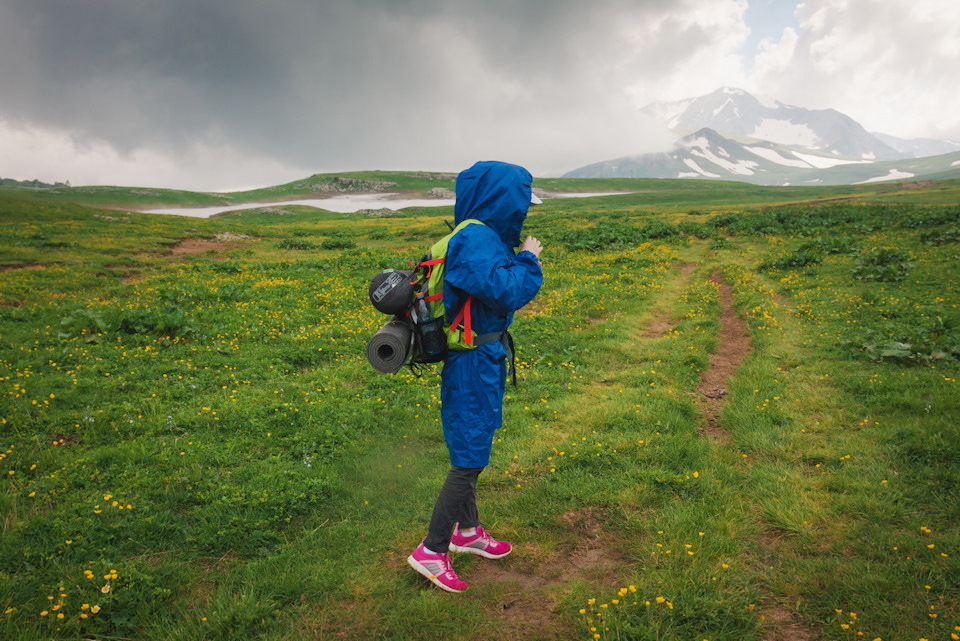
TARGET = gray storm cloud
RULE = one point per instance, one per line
(220, 92)
(359, 84)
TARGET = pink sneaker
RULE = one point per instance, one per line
(437, 568)
(480, 543)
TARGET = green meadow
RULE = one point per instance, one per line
(737, 417)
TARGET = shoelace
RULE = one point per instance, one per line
(443, 562)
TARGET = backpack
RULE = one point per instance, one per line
(434, 338)
(415, 299)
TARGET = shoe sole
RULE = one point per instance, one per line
(416, 565)
(479, 552)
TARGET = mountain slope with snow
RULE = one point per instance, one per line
(738, 136)
(705, 154)
(734, 112)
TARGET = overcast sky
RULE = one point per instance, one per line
(227, 94)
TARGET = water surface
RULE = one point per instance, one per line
(344, 204)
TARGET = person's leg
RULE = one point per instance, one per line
(457, 502)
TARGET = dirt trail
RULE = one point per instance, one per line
(733, 347)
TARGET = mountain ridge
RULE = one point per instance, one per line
(706, 154)
(732, 134)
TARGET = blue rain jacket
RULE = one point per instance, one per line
(481, 262)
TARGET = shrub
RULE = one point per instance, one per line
(911, 340)
(941, 236)
(169, 320)
(337, 243)
(296, 243)
(658, 229)
(719, 243)
(886, 265)
(829, 245)
(601, 236)
(695, 229)
(799, 258)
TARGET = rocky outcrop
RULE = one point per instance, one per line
(440, 192)
(340, 184)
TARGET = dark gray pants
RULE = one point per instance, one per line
(457, 503)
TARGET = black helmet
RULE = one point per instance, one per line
(391, 291)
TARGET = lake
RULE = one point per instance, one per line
(344, 204)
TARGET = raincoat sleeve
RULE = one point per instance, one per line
(479, 263)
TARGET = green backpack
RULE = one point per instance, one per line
(434, 337)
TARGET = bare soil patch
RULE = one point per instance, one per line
(198, 246)
(528, 585)
(781, 625)
(660, 324)
(10, 268)
(523, 593)
(733, 347)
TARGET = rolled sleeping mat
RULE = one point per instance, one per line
(389, 348)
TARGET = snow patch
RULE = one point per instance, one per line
(955, 163)
(895, 174)
(773, 156)
(739, 167)
(786, 132)
(688, 174)
(730, 91)
(722, 107)
(692, 164)
(822, 162)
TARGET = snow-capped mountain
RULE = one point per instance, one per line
(739, 136)
(734, 112)
(706, 154)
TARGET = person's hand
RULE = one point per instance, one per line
(532, 245)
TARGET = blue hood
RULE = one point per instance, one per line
(498, 195)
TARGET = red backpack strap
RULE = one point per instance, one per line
(464, 316)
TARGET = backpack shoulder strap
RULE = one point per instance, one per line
(438, 255)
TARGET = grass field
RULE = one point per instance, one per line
(737, 418)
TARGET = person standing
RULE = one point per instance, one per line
(481, 262)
